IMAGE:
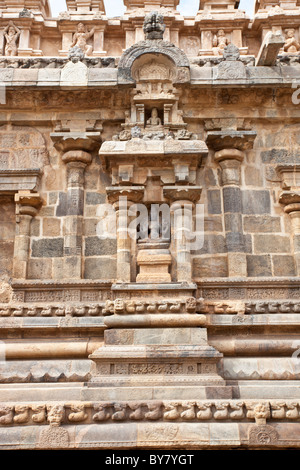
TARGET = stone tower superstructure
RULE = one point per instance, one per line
(149, 226)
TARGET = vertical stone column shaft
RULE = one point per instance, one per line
(183, 214)
(99, 41)
(294, 212)
(27, 206)
(24, 42)
(76, 162)
(123, 244)
(230, 163)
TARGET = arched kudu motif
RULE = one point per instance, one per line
(154, 47)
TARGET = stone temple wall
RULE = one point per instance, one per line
(179, 333)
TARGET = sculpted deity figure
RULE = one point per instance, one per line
(81, 37)
(220, 41)
(11, 34)
(154, 121)
(291, 44)
(55, 415)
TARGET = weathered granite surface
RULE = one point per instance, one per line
(185, 334)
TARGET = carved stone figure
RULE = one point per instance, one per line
(6, 414)
(119, 306)
(154, 120)
(81, 37)
(220, 41)
(171, 411)
(137, 412)
(154, 410)
(221, 411)
(205, 411)
(11, 34)
(291, 45)
(21, 414)
(238, 410)
(38, 413)
(191, 304)
(154, 26)
(188, 410)
(77, 413)
(119, 412)
(55, 415)
(102, 413)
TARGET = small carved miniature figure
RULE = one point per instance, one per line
(291, 45)
(81, 38)
(55, 414)
(220, 41)
(119, 306)
(11, 34)
(154, 120)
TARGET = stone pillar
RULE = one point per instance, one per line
(129, 37)
(123, 244)
(116, 196)
(76, 162)
(27, 206)
(139, 33)
(182, 200)
(99, 41)
(24, 42)
(230, 162)
(67, 32)
(291, 201)
(182, 213)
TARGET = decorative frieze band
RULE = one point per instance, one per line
(175, 411)
(144, 307)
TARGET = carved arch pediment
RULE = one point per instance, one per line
(152, 68)
(173, 55)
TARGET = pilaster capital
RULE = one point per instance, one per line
(182, 194)
(27, 203)
(230, 139)
(229, 155)
(230, 162)
(73, 141)
(77, 156)
(291, 201)
(134, 194)
(289, 175)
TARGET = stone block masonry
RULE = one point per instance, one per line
(149, 226)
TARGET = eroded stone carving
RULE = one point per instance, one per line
(185, 411)
(263, 435)
(154, 26)
(220, 41)
(11, 34)
(291, 45)
(232, 67)
(81, 37)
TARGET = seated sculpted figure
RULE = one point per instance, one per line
(154, 121)
(291, 44)
(81, 37)
(220, 41)
(11, 34)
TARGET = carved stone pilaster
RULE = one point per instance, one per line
(182, 200)
(291, 202)
(27, 207)
(230, 162)
(121, 198)
(76, 162)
